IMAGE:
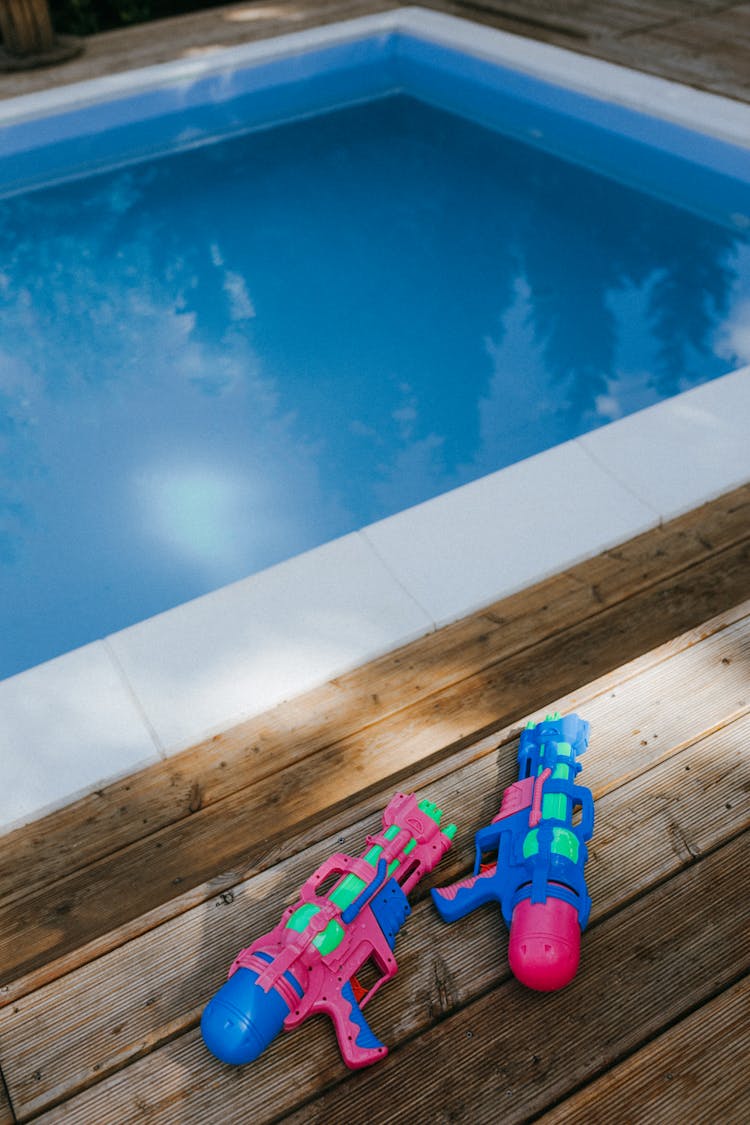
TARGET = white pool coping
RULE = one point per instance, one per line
(71, 725)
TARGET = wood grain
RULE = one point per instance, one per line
(240, 833)
(119, 914)
(6, 1113)
(697, 1069)
(648, 965)
(139, 996)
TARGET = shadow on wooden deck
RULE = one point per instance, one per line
(122, 913)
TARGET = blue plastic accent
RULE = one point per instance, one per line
(365, 1038)
(390, 908)
(354, 908)
(242, 1019)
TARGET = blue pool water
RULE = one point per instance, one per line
(212, 361)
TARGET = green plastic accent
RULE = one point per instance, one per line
(564, 749)
(561, 772)
(301, 918)
(554, 806)
(553, 717)
(431, 810)
(330, 939)
(348, 889)
(564, 843)
(351, 886)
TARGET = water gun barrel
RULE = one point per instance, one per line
(544, 947)
(242, 1019)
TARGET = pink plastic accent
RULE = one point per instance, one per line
(450, 892)
(536, 805)
(516, 797)
(545, 944)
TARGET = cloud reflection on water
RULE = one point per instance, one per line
(337, 320)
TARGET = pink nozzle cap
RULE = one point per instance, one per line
(545, 943)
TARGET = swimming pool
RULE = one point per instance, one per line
(180, 675)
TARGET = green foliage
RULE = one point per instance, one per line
(85, 17)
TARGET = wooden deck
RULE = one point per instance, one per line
(121, 914)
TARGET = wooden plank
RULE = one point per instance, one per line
(697, 1070)
(645, 967)
(96, 1020)
(535, 20)
(698, 51)
(697, 44)
(594, 18)
(260, 824)
(6, 1112)
(251, 829)
(375, 696)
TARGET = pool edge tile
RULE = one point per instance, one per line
(487, 533)
(67, 727)
(715, 114)
(232, 654)
(684, 451)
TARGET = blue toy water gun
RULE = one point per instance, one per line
(530, 859)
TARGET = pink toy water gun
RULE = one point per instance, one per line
(309, 962)
(530, 859)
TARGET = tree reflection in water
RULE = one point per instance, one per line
(215, 360)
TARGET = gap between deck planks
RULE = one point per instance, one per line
(512, 1055)
(692, 709)
(480, 674)
(6, 1113)
(58, 1043)
(673, 1072)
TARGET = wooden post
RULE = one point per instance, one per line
(26, 26)
(28, 37)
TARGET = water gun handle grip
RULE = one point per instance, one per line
(358, 1045)
(459, 899)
